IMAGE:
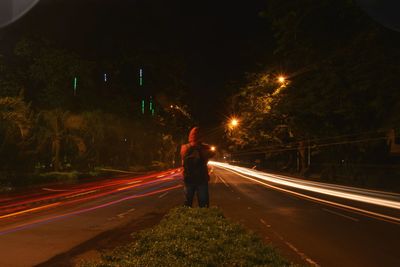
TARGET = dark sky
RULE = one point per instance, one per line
(386, 12)
(220, 40)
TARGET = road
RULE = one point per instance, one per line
(53, 225)
(312, 223)
(325, 225)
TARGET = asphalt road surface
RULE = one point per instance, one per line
(325, 225)
(310, 223)
(52, 226)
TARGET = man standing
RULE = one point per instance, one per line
(195, 156)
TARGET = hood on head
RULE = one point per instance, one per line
(194, 136)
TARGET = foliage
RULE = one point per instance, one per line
(16, 121)
(9, 84)
(343, 68)
(194, 237)
(60, 140)
(256, 103)
(15, 111)
(51, 73)
(342, 81)
(46, 125)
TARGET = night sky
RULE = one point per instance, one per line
(386, 12)
(219, 40)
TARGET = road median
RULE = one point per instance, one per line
(193, 237)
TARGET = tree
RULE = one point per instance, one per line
(344, 67)
(9, 85)
(15, 131)
(342, 72)
(52, 73)
(15, 111)
(55, 130)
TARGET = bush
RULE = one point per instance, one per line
(5, 181)
(193, 237)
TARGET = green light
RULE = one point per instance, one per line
(151, 103)
(151, 106)
(141, 77)
(75, 85)
(143, 104)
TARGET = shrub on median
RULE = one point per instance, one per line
(193, 237)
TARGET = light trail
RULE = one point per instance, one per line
(25, 205)
(82, 194)
(331, 190)
(376, 215)
(56, 190)
(12, 213)
(135, 182)
(80, 189)
(149, 192)
(40, 198)
(29, 210)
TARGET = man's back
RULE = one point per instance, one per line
(194, 161)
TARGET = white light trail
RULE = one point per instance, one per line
(355, 194)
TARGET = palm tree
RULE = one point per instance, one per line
(15, 111)
(59, 127)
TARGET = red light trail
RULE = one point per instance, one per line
(152, 184)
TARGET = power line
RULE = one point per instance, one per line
(314, 146)
(309, 141)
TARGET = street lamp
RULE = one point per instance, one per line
(281, 79)
(233, 123)
(213, 148)
(283, 82)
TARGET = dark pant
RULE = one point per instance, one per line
(202, 194)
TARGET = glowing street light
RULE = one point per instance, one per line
(213, 148)
(234, 123)
(283, 82)
(281, 79)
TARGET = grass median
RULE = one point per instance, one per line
(193, 237)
